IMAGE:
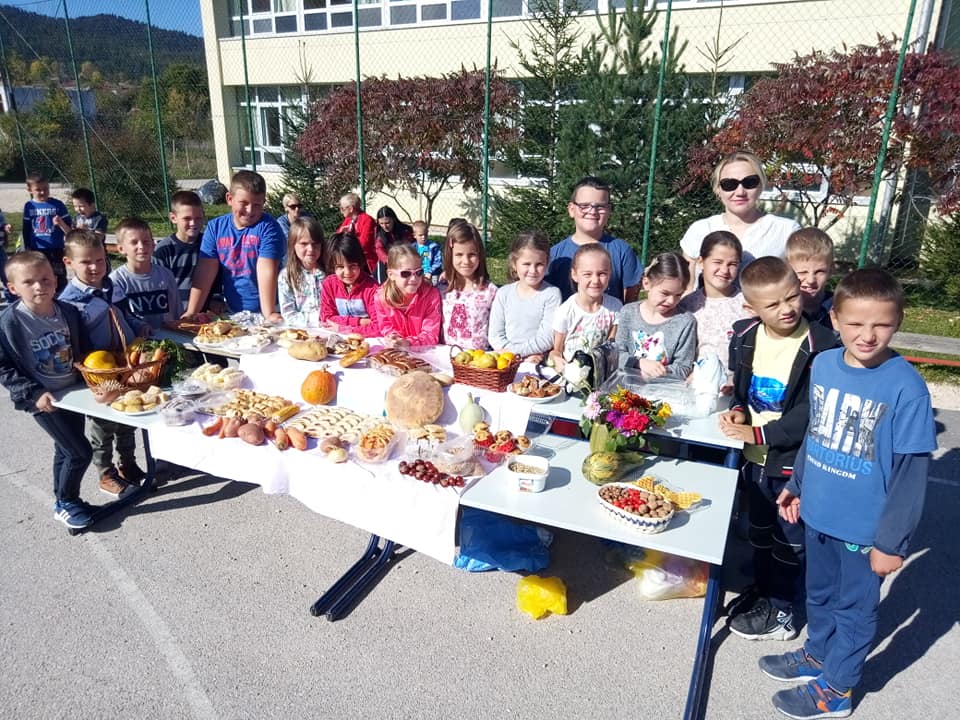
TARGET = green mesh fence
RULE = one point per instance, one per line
(577, 88)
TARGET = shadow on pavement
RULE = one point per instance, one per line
(921, 606)
(170, 496)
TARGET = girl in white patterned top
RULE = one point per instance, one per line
(299, 283)
(467, 292)
(719, 303)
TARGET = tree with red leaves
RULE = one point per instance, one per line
(822, 116)
(420, 135)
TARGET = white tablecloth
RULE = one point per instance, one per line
(375, 498)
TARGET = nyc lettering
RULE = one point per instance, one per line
(153, 302)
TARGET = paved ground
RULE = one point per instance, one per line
(194, 605)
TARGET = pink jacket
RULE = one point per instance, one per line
(419, 322)
(347, 309)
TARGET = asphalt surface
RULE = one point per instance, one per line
(194, 604)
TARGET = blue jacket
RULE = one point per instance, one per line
(94, 312)
(24, 390)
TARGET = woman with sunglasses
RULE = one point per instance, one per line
(407, 309)
(738, 180)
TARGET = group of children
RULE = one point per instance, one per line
(58, 322)
(837, 428)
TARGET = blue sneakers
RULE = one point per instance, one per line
(72, 513)
(816, 699)
(795, 666)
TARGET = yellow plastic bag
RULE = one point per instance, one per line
(664, 577)
(538, 596)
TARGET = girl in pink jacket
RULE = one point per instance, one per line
(407, 310)
(347, 293)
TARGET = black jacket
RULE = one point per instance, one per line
(783, 436)
(15, 355)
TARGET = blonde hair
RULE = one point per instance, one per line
(808, 243)
(351, 199)
(26, 259)
(393, 295)
(739, 156)
(295, 267)
(81, 238)
(462, 233)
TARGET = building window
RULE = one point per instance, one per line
(280, 17)
(270, 108)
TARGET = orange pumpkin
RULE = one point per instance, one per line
(319, 388)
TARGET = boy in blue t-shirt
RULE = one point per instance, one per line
(590, 209)
(248, 244)
(45, 220)
(859, 488)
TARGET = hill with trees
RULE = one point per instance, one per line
(117, 46)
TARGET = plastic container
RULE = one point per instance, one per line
(178, 411)
(529, 472)
(455, 457)
(371, 450)
(677, 393)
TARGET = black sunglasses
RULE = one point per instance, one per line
(294, 207)
(405, 274)
(749, 183)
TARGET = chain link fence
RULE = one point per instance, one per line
(602, 98)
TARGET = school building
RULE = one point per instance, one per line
(276, 45)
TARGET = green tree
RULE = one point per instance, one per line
(551, 68)
(608, 132)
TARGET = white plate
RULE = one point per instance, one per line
(536, 400)
(137, 414)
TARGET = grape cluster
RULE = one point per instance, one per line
(426, 471)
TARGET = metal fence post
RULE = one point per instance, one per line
(246, 87)
(485, 190)
(885, 138)
(356, 53)
(648, 206)
(83, 120)
(156, 104)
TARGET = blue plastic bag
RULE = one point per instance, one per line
(492, 542)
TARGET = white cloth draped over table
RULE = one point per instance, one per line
(376, 498)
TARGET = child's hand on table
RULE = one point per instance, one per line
(45, 403)
(651, 368)
(733, 425)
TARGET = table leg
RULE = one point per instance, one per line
(732, 459)
(134, 494)
(353, 593)
(696, 693)
(354, 581)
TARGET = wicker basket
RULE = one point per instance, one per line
(486, 378)
(133, 377)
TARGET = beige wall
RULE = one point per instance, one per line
(764, 33)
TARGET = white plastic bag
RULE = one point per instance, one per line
(706, 380)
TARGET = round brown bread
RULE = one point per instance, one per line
(414, 399)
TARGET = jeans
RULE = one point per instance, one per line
(843, 595)
(71, 454)
(102, 433)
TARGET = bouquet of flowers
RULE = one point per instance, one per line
(615, 423)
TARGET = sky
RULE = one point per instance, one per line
(183, 15)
